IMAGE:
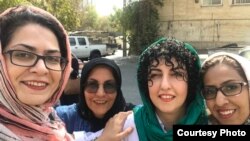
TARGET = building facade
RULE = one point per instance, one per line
(207, 23)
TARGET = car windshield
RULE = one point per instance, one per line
(245, 53)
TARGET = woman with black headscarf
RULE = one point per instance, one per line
(100, 97)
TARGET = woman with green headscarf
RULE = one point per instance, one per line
(168, 80)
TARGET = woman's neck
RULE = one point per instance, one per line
(247, 122)
(169, 119)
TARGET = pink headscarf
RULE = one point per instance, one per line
(19, 121)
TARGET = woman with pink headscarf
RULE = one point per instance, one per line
(34, 68)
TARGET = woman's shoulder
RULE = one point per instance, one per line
(67, 108)
(67, 111)
(7, 134)
(129, 106)
(72, 118)
(131, 123)
(212, 120)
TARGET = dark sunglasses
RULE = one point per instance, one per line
(109, 86)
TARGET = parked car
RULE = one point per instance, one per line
(245, 52)
(232, 48)
(82, 48)
(112, 47)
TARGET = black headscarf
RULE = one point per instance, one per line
(119, 104)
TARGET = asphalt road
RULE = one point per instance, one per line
(128, 71)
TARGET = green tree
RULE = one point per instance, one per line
(71, 13)
(115, 20)
(4, 4)
(140, 21)
(67, 11)
(103, 24)
(90, 18)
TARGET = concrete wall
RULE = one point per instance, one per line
(206, 26)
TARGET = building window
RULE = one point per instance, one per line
(211, 2)
(240, 1)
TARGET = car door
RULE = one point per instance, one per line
(78, 46)
(83, 48)
(73, 46)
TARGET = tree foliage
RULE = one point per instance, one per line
(67, 11)
(4, 4)
(116, 20)
(140, 21)
(89, 20)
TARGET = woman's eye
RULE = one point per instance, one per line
(154, 76)
(177, 74)
(231, 87)
(23, 56)
(53, 59)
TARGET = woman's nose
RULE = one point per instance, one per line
(220, 99)
(100, 91)
(165, 83)
(40, 67)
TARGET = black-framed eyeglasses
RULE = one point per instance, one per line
(92, 86)
(229, 89)
(29, 59)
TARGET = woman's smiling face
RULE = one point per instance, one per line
(167, 89)
(33, 85)
(227, 109)
(102, 100)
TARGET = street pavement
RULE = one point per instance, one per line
(128, 71)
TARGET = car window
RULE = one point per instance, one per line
(81, 41)
(72, 41)
(245, 53)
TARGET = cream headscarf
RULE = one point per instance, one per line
(19, 121)
(245, 64)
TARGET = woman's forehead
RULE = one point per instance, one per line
(172, 64)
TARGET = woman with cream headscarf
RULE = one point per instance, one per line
(226, 88)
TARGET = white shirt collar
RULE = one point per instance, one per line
(161, 124)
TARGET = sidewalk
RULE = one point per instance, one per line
(118, 56)
(203, 57)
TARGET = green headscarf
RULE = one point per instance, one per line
(147, 124)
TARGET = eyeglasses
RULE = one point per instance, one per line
(29, 59)
(230, 89)
(93, 86)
